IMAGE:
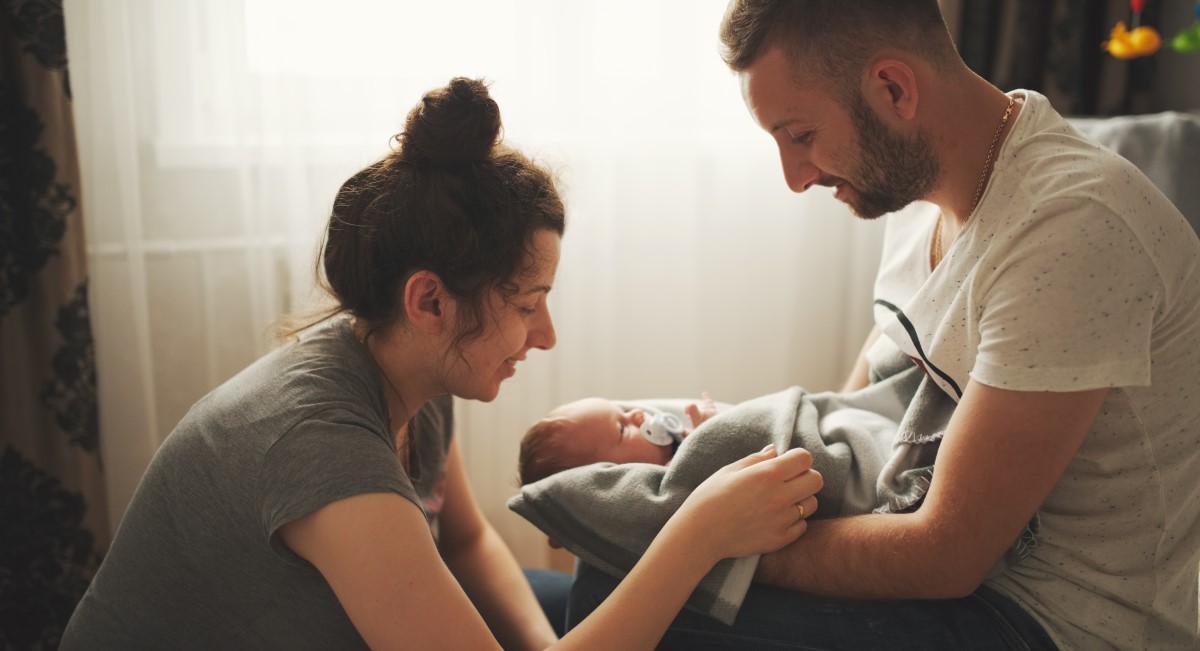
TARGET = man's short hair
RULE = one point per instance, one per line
(834, 39)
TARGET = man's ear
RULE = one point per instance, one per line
(891, 88)
(425, 302)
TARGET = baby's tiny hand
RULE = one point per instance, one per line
(701, 411)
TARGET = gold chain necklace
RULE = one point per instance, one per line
(937, 233)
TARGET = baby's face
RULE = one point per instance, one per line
(603, 431)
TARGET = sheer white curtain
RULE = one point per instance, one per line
(214, 133)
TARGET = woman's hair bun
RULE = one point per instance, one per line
(458, 123)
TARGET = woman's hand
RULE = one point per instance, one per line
(754, 505)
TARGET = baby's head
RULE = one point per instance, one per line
(586, 431)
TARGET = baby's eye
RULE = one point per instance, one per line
(621, 429)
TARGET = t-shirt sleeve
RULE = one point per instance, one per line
(1070, 304)
(321, 460)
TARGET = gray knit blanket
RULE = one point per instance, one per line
(874, 448)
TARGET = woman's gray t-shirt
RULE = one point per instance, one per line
(196, 562)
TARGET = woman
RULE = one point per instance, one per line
(318, 500)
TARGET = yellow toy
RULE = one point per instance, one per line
(1141, 41)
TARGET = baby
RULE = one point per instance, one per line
(597, 429)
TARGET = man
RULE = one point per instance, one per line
(1049, 289)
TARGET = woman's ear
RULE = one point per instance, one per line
(425, 302)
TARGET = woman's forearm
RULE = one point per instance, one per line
(638, 612)
(497, 587)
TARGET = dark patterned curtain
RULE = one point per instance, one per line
(53, 513)
(1054, 47)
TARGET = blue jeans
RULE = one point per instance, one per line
(771, 618)
(551, 589)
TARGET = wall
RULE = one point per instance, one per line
(1177, 78)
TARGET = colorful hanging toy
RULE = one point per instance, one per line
(1189, 39)
(1140, 41)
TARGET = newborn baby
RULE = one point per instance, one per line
(598, 429)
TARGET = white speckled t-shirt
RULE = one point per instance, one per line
(1075, 273)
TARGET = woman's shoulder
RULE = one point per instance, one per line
(320, 373)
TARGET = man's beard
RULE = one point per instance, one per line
(892, 170)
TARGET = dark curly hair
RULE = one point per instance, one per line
(450, 199)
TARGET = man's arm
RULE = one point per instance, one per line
(859, 375)
(1002, 454)
(485, 567)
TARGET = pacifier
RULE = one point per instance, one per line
(662, 429)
